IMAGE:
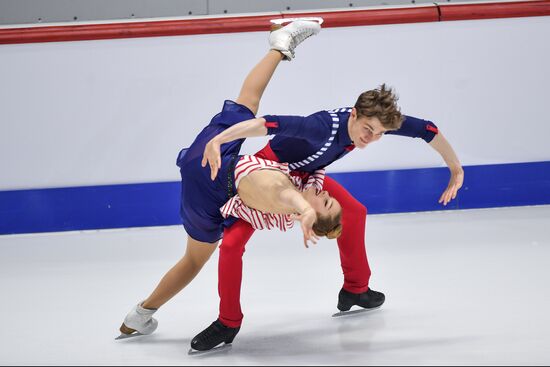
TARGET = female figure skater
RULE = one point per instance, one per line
(262, 186)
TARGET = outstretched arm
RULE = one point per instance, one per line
(312, 128)
(428, 131)
(305, 214)
(444, 148)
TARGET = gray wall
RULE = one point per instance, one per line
(47, 11)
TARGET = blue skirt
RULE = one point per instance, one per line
(202, 198)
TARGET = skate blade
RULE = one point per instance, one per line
(282, 21)
(128, 336)
(194, 352)
(355, 312)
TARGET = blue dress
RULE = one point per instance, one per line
(201, 198)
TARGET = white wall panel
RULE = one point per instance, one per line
(118, 111)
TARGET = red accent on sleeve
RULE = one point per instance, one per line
(272, 125)
(351, 147)
(433, 129)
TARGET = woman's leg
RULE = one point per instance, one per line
(284, 39)
(257, 80)
(199, 252)
(177, 278)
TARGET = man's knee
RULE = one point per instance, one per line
(232, 247)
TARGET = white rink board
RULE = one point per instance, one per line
(118, 111)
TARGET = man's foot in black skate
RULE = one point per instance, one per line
(211, 337)
(369, 300)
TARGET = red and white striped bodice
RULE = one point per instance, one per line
(258, 219)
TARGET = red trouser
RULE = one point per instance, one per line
(353, 256)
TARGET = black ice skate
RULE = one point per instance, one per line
(369, 300)
(210, 338)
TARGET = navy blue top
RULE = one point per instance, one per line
(313, 142)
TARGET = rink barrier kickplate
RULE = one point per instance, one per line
(157, 204)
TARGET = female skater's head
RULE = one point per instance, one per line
(375, 112)
(329, 213)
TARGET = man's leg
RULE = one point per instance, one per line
(230, 269)
(236, 236)
(351, 243)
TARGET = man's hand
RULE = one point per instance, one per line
(307, 219)
(443, 147)
(455, 183)
(212, 156)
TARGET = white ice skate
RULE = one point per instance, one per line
(139, 321)
(286, 38)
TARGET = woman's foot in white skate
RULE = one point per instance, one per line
(139, 321)
(286, 38)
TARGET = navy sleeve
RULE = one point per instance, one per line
(313, 128)
(416, 128)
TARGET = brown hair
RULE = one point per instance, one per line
(380, 103)
(327, 226)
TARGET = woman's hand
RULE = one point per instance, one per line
(212, 156)
(307, 219)
(455, 183)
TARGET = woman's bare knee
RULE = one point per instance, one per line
(198, 253)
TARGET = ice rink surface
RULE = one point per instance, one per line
(464, 287)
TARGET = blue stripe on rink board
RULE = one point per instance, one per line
(157, 204)
(91, 207)
(485, 186)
